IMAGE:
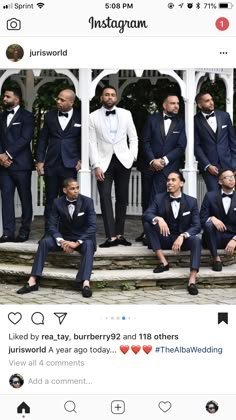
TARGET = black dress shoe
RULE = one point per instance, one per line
(87, 292)
(140, 237)
(161, 268)
(108, 243)
(217, 266)
(122, 241)
(21, 238)
(5, 238)
(192, 289)
(27, 289)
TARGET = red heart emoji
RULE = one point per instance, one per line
(124, 349)
(135, 349)
(147, 349)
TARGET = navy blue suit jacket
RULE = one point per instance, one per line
(16, 140)
(189, 220)
(81, 227)
(156, 144)
(56, 143)
(216, 149)
(212, 205)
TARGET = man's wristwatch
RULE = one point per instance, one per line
(163, 162)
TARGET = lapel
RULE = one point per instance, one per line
(205, 124)
(168, 208)
(77, 207)
(220, 204)
(15, 116)
(160, 127)
(66, 211)
(102, 123)
(171, 129)
(70, 123)
(219, 124)
(232, 206)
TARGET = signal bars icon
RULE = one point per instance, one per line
(40, 5)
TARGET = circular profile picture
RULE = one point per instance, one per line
(212, 407)
(16, 380)
(14, 52)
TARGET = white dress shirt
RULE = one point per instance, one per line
(211, 121)
(10, 116)
(226, 201)
(63, 121)
(111, 122)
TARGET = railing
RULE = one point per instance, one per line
(134, 207)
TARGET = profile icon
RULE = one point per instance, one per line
(212, 407)
(14, 52)
(16, 381)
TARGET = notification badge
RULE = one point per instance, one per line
(222, 24)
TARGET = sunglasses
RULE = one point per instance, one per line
(16, 382)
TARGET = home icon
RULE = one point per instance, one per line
(23, 407)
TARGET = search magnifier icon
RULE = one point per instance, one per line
(70, 406)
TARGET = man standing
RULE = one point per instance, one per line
(218, 218)
(172, 222)
(58, 151)
(214, 141)
(72, 226)
(112, 156)
(16, 165)
(164, 143)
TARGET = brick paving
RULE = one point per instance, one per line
(48, 295)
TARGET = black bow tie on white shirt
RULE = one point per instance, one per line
(210, 115)
(175, 199)
(63, 114)
(71, 202)
(10, 112)
(168, 117)
(227, 195)
(110, 112)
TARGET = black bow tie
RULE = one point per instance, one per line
(210, 115)
(63, 114)
(10, 112)
(71, 202)
(110, 112)
(168, 117)
(227, 195)
(175, 199)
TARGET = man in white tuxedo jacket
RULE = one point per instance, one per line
(113, 144)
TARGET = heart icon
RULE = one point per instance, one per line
(124, 349)
(14, 317)
(147, 349)
(165, 406)
(135, 349)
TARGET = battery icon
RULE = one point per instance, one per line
(225, 5)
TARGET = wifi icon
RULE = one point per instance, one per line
(40, 5)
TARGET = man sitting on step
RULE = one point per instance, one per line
(172, 222)
(218, 218)
(72, 227)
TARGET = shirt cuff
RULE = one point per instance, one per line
(205, 169)
(154, 221)
(8, 154)
(80, 242)
(166, 160)
(150, 163)
(58, 241)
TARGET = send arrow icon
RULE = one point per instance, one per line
(61, 316)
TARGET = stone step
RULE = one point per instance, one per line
(133, 257)
(123, 279)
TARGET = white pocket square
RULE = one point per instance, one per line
(234, 208)
(77, 125)
(16, 123)
(80, 214)
(176, 132)
(187, 212)
(224, 126)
